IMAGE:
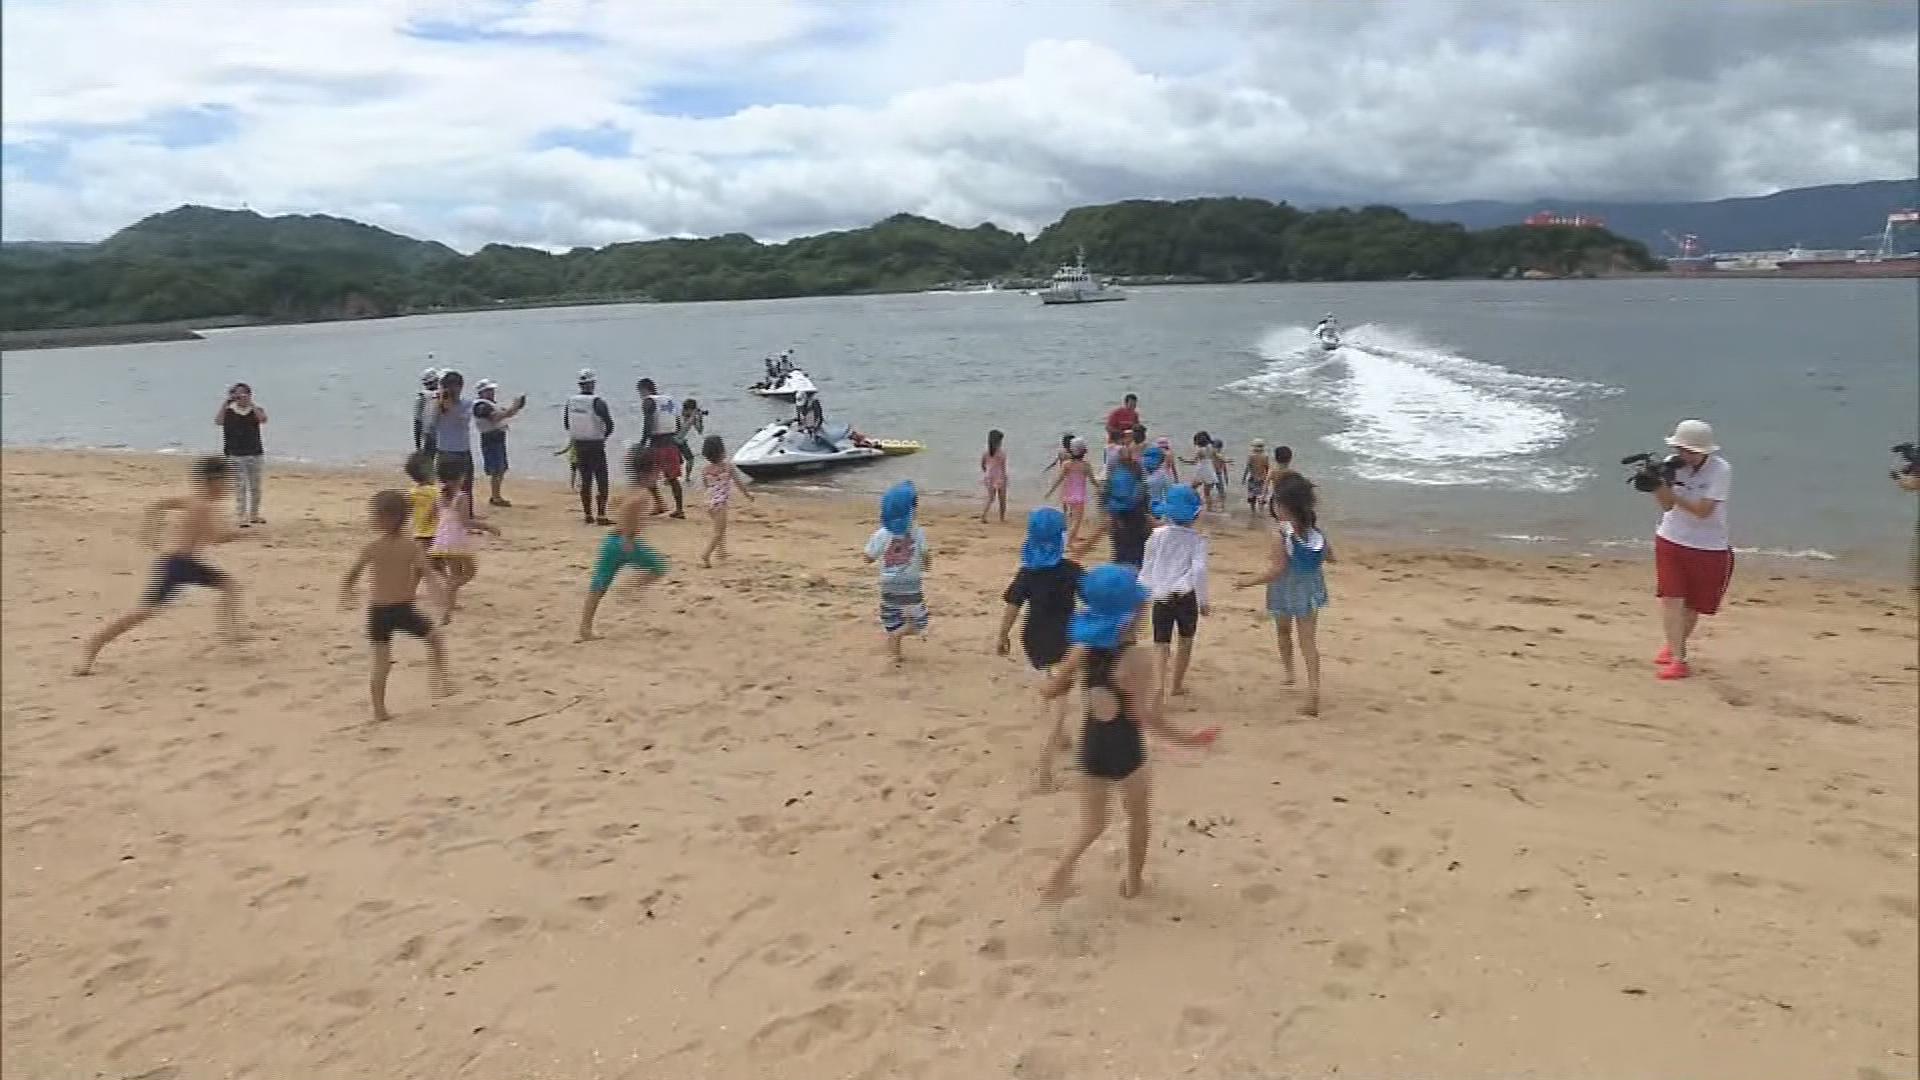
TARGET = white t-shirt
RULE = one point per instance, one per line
(902, 559)
(1175, 562)
(1713, 480)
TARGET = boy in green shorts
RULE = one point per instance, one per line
(623, 546)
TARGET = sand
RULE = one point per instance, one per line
(729, 841)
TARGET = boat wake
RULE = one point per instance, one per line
(1415, 413)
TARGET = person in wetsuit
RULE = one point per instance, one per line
(1122, 697)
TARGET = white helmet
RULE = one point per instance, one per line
(586, 375)
(430, 378)
(485, 385)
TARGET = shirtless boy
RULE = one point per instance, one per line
(195, 524)
(397, 564)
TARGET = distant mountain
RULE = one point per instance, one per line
(198, 263)
(202, 231)
(1831, 216)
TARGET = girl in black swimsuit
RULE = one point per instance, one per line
(1121, 699)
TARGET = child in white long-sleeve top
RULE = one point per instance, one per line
(1175, 574)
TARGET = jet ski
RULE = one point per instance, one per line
(789, 385)
(781, 447)
(1327, 334)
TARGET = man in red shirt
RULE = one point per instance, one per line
(1122, 420)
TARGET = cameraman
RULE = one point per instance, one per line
(1692, 552)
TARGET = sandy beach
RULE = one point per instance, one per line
(728, 840)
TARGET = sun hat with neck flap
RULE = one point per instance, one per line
(1046, 542)
(1110, 597)
(1180, 505)
(897, 507)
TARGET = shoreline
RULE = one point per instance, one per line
(188, 329)
(1502, 848)
(1373, 535)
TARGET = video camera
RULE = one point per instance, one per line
(1652, 472)
(1911, 453)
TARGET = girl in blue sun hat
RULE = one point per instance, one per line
(900, 547)
(1121, 698)
(1045, 587)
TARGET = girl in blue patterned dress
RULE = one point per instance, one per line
(1296, 581)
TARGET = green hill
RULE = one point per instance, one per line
(197, 263)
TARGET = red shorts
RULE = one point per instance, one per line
(1692, 574)
(667, 457)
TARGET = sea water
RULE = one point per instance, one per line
(1453, 411)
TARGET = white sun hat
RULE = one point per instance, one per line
(1694, 435)
(429, 376)
(485, 385)
(586, 375)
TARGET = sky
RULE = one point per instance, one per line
(557, 123)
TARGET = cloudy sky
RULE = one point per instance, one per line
(562, 122)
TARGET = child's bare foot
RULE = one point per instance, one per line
(442, 687)
(1059, 887)
(1130, 887)
(706, 564)
(1064, 741)
(1179, 691)
(381, 716)
(1311, 705)
(586, 635)
(84, 667)
(1044, 782)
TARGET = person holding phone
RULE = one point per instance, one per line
(240, 419)
(491, 418)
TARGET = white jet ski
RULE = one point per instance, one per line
(1328, 334)
(780, 447)
(786, 387)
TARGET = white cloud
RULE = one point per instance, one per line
(777, 117)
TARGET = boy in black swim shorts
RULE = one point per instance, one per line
(195, 525)
(397, 564)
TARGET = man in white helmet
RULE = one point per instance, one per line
(589, 424)
(423, 410)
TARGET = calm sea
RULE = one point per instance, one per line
(1459, 411)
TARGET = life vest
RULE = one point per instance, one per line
(583, 420)
(487, 425)
(664, 420)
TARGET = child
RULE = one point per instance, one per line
(1175, 574)
(1256, 478)
(422, 497)
(900, 547)
(398, 564)
(451, 548)
(1061, 455)
(1160, 476)
(1296, 581)
(1222, 466)
(721, 480)
(623, 546)
(1076, 476)
(1045, 586)
(692, 421)
(1121, 699)
(1282, 468)
(1204, 473)
(993, 475)
(195, 527)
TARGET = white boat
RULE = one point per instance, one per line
(1073, 284)
(780, 447)
(1327, 334)
(789, 386)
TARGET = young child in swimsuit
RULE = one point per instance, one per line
(1075, 479)
(721, 480)
(1296, 581)
(1045, 586)
(623, 547)
(397, 565)
(993, 475)
(1121, 700)
(451, 549)
(195, 525)
(900, 547)
(1255, 478)
(1282, 468)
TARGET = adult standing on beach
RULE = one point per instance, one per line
(1692, 548)
(423, 411)
(659, 431)
(1122, 420)
(491, 419)
(589, 424)
(240, 419)
(452, 428)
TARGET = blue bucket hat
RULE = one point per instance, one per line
(1153, 458)
(1046, 541)
(897, 507)
(1110, 595)
(1179, 505)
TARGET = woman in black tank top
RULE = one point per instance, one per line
(1121, 699)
